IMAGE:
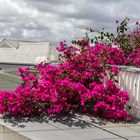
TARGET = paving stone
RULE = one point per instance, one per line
(134, 138)
(124, 131)
(91, 134)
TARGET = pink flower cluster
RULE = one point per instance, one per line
(111, 102)
(134, 58)
(134, 37)
(76, 84)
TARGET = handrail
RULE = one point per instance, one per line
(126, 68)
(18, 64)
(26, 64)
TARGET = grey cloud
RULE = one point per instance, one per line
(56, 2)
(54, 20)
(105, 1)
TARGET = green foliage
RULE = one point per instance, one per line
(125, 41)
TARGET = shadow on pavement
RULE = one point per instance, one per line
(70, 120)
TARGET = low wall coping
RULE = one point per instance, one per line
(127, 68)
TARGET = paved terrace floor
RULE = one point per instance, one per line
(71, 127)
(8, 82)
(66, 127)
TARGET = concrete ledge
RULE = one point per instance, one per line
(129, 68)
(8, 134)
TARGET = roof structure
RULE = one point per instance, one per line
(23, 51)
(7, 43)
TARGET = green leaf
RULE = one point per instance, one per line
(5, 101)
(102, 37)
(92, 40)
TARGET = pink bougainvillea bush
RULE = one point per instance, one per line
(126, 38)
(83, 80)
(134, 58)
(134, 36)
(76, 84)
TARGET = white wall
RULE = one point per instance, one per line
(8, 134)
(129, 80)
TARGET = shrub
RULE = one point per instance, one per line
(76, 84)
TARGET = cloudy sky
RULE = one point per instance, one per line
(54, 20)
